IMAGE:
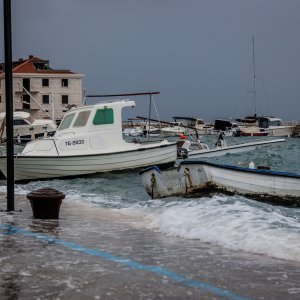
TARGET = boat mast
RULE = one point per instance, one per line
(254, 76)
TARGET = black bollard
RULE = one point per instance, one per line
(45, 203)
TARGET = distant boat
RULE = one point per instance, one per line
(196, 124)
(263, 125)
(175, 129)
(274, 126)
(27, 128)
(196, 149)
(267, 126)
(89, 140)
(194, 177)
(229, 128)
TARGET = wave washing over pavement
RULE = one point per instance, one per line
(232, 222)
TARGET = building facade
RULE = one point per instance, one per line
(37, 87)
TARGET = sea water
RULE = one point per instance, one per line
(233, 222)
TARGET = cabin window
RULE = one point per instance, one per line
(45, 99)
(82, 118)
(64, 99)
(64, 82)
(45, 82)
(20, 122)
(104, 116)
(66, 122)
(275, 123)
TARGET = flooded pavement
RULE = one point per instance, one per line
(96, 253)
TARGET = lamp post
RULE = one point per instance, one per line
(9, 105)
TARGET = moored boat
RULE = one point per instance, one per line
(196, 149)
(26, 127)
(196, 177)
(88, 140)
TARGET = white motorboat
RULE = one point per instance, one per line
(173, 130)
(133, 131)
(196, 149)
(88, 140)
(27, 128)
(274, 126)
(196, 177)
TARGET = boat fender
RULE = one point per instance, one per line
(188, 181)
(182, 152)
(251, 165)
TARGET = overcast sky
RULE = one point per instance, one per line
(196, 53)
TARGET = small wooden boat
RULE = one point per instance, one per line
(200, 177)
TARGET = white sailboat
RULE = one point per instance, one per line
(265, 125)
(88, 140)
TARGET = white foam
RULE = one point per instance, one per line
(231, 223)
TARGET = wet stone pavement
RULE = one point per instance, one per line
(93, 253)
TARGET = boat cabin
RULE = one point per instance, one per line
(266, 122)
(225, 125)
(105, 116)
(189, 121)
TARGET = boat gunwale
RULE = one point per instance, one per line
(242, 169)
(18, 156)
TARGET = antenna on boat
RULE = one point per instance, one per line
(9, 106)
(254, 76)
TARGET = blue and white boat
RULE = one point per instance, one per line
(195, 176)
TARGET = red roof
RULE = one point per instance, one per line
(36, 65)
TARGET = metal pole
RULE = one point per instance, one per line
(254, 76)
(9, 105)
(149, 117)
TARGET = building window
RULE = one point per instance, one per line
(45, 82)
(45, 99)
(64, 99)
(0, 99)
(64, 82)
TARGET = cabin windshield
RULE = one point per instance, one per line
(275, 123)
(200, 122)
(30, 119)
(82, 118)
(191, 123)
(263, 123)
(66, 122)
(19, 122)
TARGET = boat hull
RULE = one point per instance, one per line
(44, 167)
(196, 176)
(238, 148)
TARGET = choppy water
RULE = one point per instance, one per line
(234, 222)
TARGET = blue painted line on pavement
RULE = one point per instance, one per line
(127, 262)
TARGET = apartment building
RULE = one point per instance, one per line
(36, 85)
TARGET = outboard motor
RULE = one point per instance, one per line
(182, 153)
(220, 141)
